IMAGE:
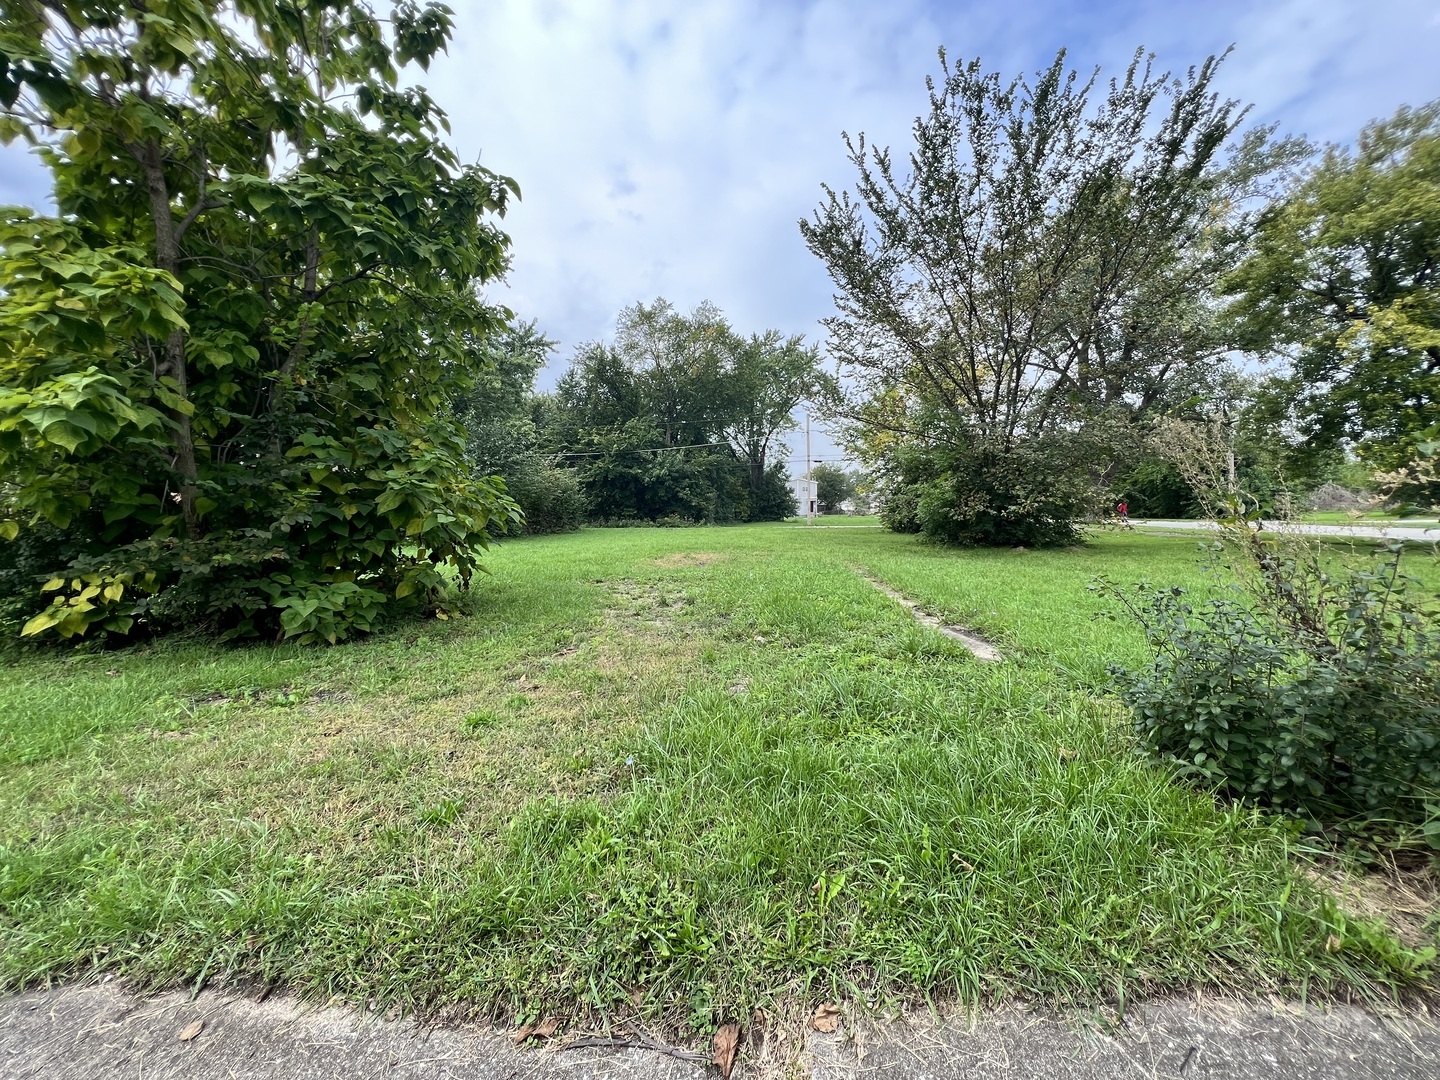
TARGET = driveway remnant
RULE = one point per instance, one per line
(978, 646)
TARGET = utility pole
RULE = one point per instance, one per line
(1229, 423)
(809, 483)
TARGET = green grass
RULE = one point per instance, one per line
(1378, 517)
(833, 520)
(685, 772)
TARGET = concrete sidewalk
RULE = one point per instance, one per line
(1422, 534)
(94, 1032)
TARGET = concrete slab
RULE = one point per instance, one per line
(99, 1031)
(102, 1033)
(1417, 534)
(1162, 1040)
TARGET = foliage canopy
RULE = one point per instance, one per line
(1341, 281)
(225, 362)
(1037, 278)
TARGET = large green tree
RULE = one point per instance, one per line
(1342, 283)
(1031, 280)
(678, 416)
(833, 486)
(225, 362)
(764, 378)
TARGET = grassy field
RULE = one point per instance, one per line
(684, 773)
(1369, 517)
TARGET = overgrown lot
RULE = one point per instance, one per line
(685, 772)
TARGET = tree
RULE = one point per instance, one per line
(676, 360)
(1341, 281)
(1036, 280)
(833, 485)
(503, 439)
(764, 379)
(678, 416)
(225, 364)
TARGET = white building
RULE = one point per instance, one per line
(806, 493)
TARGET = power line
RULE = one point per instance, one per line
(644, 450)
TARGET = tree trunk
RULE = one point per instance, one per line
(296, 353)
(167, 258)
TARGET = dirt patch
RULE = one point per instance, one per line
(690, 558)
(1405, 897)
(653, 603)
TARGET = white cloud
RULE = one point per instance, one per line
(668, 149)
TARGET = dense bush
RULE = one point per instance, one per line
(550, 498)
(1154, 488)
(1313, 693)
(1030, 495)
(899, 507)
(225, 359)
(709, 486)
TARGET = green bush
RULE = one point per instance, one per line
(1154, 488)
(550, 499)
(320, 545)
(1032, 494)
(1315, 694)
(899, 509)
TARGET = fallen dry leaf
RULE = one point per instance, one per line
(191, 1030)
(542, 1030)
(726, 1039)
(826, 1018)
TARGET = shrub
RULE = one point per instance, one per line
(319, 546)
(899, 509)
(1313, 693)
(550, 498)
(1031, 494)
(775, 501)
(1154, 488)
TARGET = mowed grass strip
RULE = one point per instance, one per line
(681, 772)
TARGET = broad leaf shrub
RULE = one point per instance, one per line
(228, 360)
(1313, 692)
(1032, 493)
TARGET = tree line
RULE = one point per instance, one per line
(676, 420)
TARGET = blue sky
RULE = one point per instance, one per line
(668, 149)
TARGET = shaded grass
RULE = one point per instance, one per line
(676, 771)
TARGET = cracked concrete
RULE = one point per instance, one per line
(100, 1031)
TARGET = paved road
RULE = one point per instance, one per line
(95, 1032)
(1428, 535)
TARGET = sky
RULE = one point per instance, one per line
(669, 149)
